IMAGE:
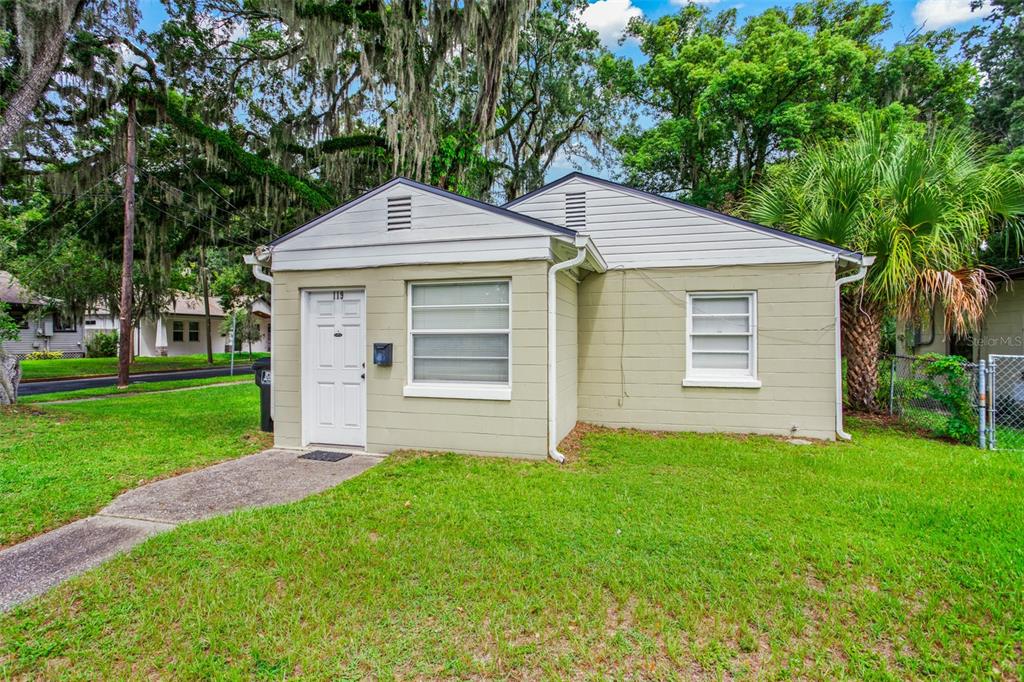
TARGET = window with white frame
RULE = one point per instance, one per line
(459, 333)
(721, 335)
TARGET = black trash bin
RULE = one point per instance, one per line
(261, 368)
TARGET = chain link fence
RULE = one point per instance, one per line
(935, 393)
(980, 403)
(1005, 415)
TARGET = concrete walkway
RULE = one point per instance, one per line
(267, 478)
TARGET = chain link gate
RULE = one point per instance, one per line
(1001, 413)
(995, 387)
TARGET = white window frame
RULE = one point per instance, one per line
(465, 390)
(722, 378)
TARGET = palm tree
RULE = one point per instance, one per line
(923, 203)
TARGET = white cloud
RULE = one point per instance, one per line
(936, 14)
(682, 3)
(609, 18)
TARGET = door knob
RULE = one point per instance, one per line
(337, 334)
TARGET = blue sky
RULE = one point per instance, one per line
(608, 17)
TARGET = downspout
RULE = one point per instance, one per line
(581, 255)
(256, 261)
(856, 277)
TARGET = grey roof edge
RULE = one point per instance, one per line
(400, 180)
(718, 215)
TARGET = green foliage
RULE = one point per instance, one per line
(45, 355)
(102, 345)
(728, 101)
(8, 327)
(922, 203)
(946, 380)
(175, 106)
(246, 328)
(459, 165)
(554, 101)
(997, 47)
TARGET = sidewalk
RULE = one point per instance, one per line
(266, 478)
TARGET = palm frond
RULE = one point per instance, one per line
(923, 204)
(963, 294)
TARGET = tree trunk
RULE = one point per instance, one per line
(10, 377)
(124, 351)
(862, 342)
(205, 275)
(44, 63)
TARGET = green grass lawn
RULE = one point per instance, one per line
(648, 558)
(60, 463)
(147, 387)
(94, 367)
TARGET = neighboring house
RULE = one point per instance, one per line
(1001, 331)
(180, 329)
(583, 301)
(41, 329)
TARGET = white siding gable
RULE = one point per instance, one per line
(632, 230)
(440, 229)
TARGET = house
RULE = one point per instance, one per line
(412, 317)
(1001, 331)
(180, 329)
(40, 327)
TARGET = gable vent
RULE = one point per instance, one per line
(399, 213)
(576, 210)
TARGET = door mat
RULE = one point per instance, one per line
(326, 456)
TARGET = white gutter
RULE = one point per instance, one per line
(581, 255)
(255, 260)
(865, 263)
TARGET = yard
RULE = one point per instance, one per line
(132, 389)
(62, 463)
(36, 370)
(646, 557)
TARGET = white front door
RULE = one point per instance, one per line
(334, 369)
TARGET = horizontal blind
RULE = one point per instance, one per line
(460, 332)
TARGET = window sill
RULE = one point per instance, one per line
(723, 383)
(461, 391)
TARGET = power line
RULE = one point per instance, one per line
(225, 227)
(219, 223)
(193, 225)
(71, 202)
(270, 231)
(81, 227)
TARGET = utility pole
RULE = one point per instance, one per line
(205, 275)
(124, 350)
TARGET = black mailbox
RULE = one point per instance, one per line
(263, 378)
(382, 354)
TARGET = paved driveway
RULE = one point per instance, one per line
(266, 478)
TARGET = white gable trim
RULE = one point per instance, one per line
(834, 253)
(549, 227)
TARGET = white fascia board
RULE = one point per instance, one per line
(717, 262)
(493, 250)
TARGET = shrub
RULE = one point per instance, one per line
(102, 345)
(951, 385)
(45, 355)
